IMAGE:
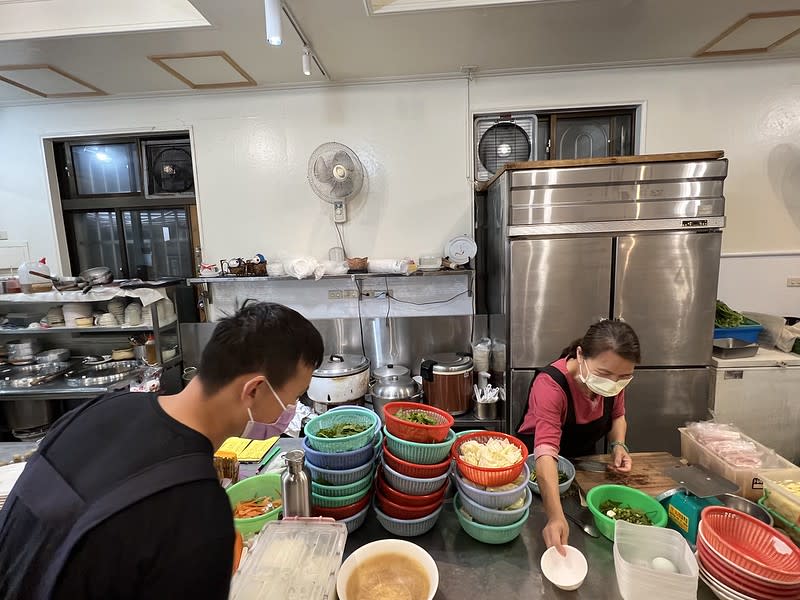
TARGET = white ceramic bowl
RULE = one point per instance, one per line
(367, 551)
(565, 572)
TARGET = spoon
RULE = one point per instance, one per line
(588, 528)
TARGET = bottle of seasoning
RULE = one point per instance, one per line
(150, 355)
(296, 485)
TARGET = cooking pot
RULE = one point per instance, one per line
(23, 350)
(447, 382)
(340, 379)
(393, 383)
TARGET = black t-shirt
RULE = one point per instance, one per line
(177, 543)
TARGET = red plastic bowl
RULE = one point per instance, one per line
(398, 511)
(402, 499)
(488, 476)
(751, 545)
(417, 432)
(739, 581)
(412, 469)
(342, 512)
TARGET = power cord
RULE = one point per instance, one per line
(427, 303)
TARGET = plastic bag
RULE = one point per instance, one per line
(304, 267)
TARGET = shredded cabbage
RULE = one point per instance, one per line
(495, 453)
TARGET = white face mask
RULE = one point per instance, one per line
(600, 385)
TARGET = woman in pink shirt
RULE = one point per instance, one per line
(574, 403)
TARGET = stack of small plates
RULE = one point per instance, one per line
(55, 316)
(116, 306)
(75, 310)
(8, 477)
(133, 314)
(107, 320)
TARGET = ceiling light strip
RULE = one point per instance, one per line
(305, 41)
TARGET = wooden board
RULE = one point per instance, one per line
(606, 160)
(647, 474)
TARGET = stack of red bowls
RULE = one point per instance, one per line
(408, 488)
(746, 556)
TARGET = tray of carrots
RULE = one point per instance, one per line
(256, 507)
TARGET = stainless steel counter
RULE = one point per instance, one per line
(470, 569)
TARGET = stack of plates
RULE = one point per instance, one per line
(741, 558)
(133, 314)
(8, 477)
(107, 320)
(74, 310)
(55, 316)
(116, 306)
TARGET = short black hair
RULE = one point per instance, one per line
(262, 337)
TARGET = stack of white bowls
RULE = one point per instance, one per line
(55, 316)
(107, 320)
(74, 310)
(116, 306)
(133, 314)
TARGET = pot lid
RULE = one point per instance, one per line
(450, 362)
(391, 370)
(395, 389)
(339, 365)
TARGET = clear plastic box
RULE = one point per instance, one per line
(635, 547)
(750, 484)
(779, 498)
(293, 559)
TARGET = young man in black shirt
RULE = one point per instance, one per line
(122, 501)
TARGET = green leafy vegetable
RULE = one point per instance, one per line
(342, 430)
(416, 416)
(726, 316)
(562, 477)
(617, 511)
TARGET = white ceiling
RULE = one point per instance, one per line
(354, 46)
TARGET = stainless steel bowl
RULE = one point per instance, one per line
(55, 355)
(746, 506)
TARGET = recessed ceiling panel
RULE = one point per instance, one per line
(755, 33)
(47, 81)
(388, 7)
(205, 70)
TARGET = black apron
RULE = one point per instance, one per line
(576, 440)
(55, 517)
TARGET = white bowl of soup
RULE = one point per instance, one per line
(388, 570)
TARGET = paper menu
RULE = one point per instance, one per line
(247, 450)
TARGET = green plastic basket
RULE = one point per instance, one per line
(420, 454)
(781, 522)
(339, 416)
(489, 534)
(629, 497)
(337, 501)
(335, 491)
(268, 484)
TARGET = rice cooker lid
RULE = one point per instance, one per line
(340, 365)
(391, 370)
(450, 362)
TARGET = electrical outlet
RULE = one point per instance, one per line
(335, 294)
(3, 235)
(350, 294)
(376, 294)
(793, 282)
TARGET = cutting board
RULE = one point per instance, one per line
(647, 474)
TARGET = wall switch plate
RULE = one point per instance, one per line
(350, 294)
(335, 295)
(793, 282)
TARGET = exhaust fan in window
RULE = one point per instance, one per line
(168, 168)
(501, 139)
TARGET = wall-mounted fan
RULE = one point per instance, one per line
(168, 168)
(336, 175)
(502, 139)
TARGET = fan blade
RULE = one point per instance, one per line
(321, 171)
(342, 189)
(343, 158)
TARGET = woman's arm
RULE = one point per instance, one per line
(622, 460)
(556, 532)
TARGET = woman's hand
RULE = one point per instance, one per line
(622, 460)
(556, 533)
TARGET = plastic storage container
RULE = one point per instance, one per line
(635, 548)
(793, 531)
(748, 332)
(750, 484)
(778, 497)
(295, 559)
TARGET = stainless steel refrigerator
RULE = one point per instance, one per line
(568, 246)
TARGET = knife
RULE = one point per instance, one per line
(592, 466)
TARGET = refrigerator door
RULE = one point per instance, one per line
(520, 385)
(665, 288)
(762, 402)
(558, 288)
(658, 401)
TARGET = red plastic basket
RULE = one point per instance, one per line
(412, 469)
(488, 476)
(342, 512)
(751, 545)
(398, 511)
(417, 432)
(402, 499)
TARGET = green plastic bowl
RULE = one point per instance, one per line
(337, 501)
(335, 491)
(335, 417)
(489, 534)
(251, 488)
(420, 454)
(629, 497)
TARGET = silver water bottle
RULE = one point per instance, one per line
(296, 485)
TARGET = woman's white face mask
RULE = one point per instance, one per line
(600, 385)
